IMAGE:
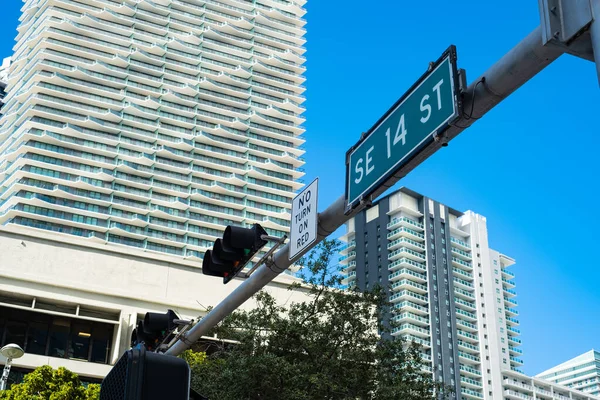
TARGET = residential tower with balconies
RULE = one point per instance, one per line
(454, 296)
(149, 126)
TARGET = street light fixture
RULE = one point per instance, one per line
(10, 351)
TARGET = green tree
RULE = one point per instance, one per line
(45, 383)
(327, 348)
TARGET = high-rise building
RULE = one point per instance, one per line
(153, 124)
(133, 132)
(3, 79)
(581, 373)
(454, 295)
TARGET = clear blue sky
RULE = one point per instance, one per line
(530, 166)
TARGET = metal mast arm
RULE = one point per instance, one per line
(515, 68)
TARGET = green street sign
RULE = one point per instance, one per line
(424, 110)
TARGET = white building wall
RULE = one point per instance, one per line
(129, 285)
(581, 373)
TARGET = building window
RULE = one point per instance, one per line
(55, 336)
(496, 271)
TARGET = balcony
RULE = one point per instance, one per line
(461, 254)
(412, 338)
(462, 283)
(510, 302)
(409, 284)
(465, 304)
(468, 358)
(509, 283)
(516, 384)
(464, 294)
(350, 277)
(514, 350)
(411, 306)
(507, 273)
(350, 267)
(407, 273)
(461, 244)
(510, 292)
(470, 316)
(511, 394)
(463, 274)
(347, 258)
(511, 311)
(470, 393)
(406, 252)
(514, 330)
(410, 296)
(469, 370)
(513, 339)
(406, 232)
(470, 383)
(406, 222)
(516, 360)
(412, 330)
(410, 264)
(468, 336)
(411, 244)
(460, 263)
(347, 248)
(466, 325)
(412, 318)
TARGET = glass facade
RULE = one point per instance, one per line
(56, 336)
(153, 124)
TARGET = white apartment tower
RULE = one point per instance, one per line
(153, 124)
(581, 373)
(133, 132)
(455, 295)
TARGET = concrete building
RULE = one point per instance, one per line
(76, 306)
(455, 295)
(132, 133)
(153, 124)
(517, 386)
(581, 373)
(4, 68)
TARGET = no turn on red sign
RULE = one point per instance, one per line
(304, 219)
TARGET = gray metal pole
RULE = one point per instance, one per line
(514, 69)
(595, 33)
(5, 374)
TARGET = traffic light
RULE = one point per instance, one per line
(153, 329)
(142, 375)
(230, 254)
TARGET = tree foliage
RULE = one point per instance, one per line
(330, 347)
(45, 383)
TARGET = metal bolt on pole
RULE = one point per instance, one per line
(515, 68)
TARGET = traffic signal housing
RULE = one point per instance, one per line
(231, 254)
(142, 375)
(153, 329)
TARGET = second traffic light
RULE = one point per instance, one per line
(153, 329)
(230, 254)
